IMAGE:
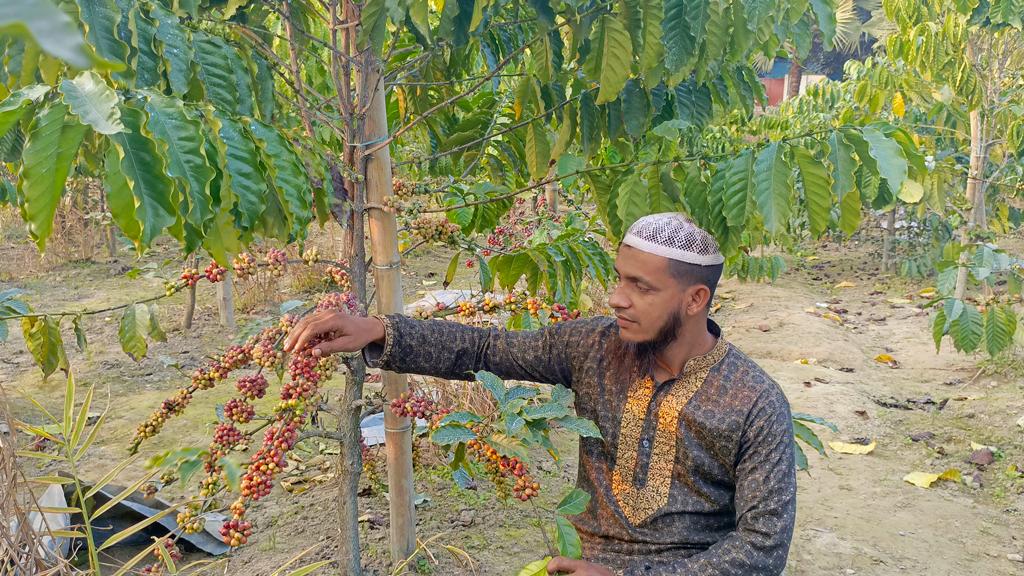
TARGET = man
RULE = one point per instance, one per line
(694, 474)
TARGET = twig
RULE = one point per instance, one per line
(543, 532)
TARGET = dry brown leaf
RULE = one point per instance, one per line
(742, 306)
(848, 448)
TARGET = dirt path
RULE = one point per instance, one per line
(855, 513)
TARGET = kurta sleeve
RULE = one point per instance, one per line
(455, 351)
(765, 503)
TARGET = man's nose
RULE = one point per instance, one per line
(618, 300)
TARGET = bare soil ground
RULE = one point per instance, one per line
(855, 513)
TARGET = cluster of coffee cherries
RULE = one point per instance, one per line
(190, 519)
(466, 309)
(490, 305)
(405, 197)
(311, 255)
(260, 349)
(501, 469)
(277, 262)
(559, 313)
(238, 410)
(215, 272)
(172, 551)
(339, 277)
(306, 373)
(518, 228)
(191, 276)
(427, 312)
(236, 532)
(298, 398)
(434, 228)
(410, 404)
(252, 387)
(226, 436)
(339, 302)
(244, 265)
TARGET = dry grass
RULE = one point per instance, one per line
(22, 551)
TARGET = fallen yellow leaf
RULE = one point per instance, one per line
(898, 301)
(848, 448)
(888, 360)
(805, 361)
(716, 307)
(811, 258)
(976, 446)
(952, 474)
(921, 479)
(927, 292)
(742, 306)
(833, 317)
(845, 284)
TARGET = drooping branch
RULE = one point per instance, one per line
(491, 136)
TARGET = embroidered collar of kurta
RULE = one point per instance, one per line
(637, 502)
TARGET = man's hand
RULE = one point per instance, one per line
(563, 565)
(348, 333)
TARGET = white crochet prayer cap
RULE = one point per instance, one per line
(674, 236)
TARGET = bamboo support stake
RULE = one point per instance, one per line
(388, 281)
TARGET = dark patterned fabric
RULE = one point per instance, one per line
(709, 487)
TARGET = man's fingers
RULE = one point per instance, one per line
(561, 564)
(315, 328)
(342, 344)
(300, 326)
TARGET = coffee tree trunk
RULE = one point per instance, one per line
(226, 302)
(977, 219)
(551, 192)
(889, 243)
(796, 74)
(190, 298)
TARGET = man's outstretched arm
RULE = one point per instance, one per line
(765, 504)
(448, 349)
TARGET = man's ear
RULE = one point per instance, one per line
(697, 298)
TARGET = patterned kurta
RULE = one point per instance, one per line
(692, 476)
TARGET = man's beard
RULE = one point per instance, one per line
(646, 350)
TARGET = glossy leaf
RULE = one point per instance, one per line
(773, 187)
(610, 58)
(817, 187)
(93, 102)
(52, 144)
(101, 19)
(132, 331)
(17, 103)
(569, 544)
(44, 342)
(145, 171)
(47, 26)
